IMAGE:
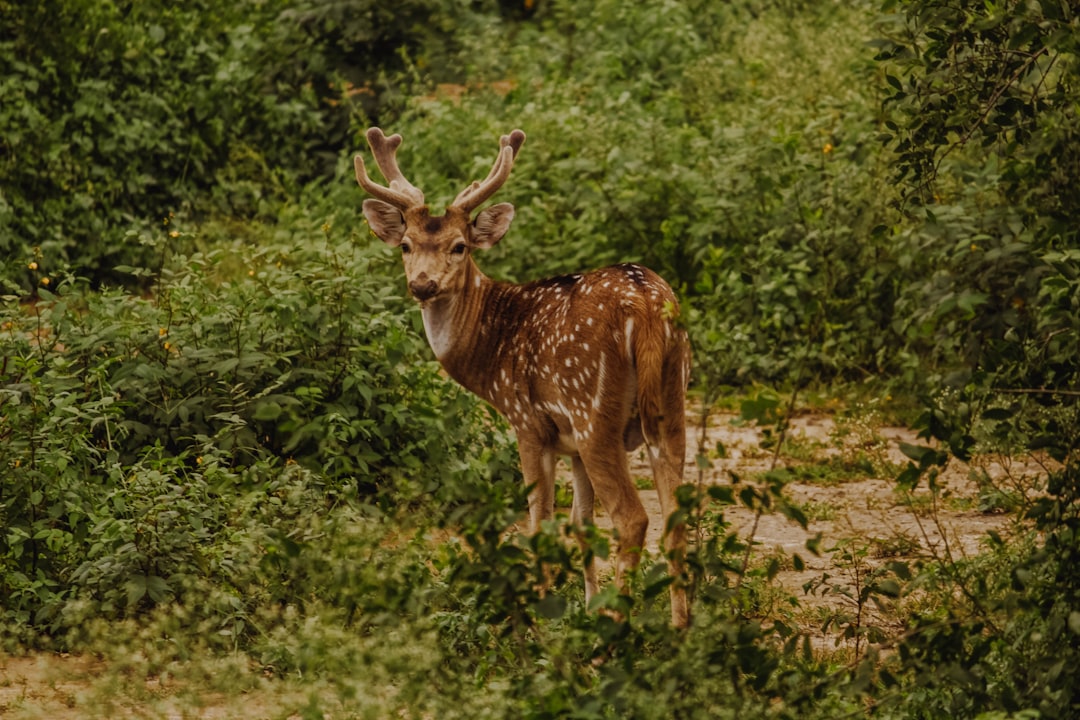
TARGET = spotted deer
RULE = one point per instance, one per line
(587, 365)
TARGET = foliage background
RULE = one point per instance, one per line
(219, 424)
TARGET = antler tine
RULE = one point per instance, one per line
(515, 139)
(477, 192)
(400, 193)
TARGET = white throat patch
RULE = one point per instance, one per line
(438, 327)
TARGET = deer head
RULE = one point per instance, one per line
(436, 249)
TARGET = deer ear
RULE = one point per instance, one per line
(385, 221)
(491, 224)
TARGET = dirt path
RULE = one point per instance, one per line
(850, 497)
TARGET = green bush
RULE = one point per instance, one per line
(119, 115)
(112, 407)
(982, 116)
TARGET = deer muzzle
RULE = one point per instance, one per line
(423, 288)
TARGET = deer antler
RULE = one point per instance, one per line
(470, 198)
(401, 193)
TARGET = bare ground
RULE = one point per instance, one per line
(843, 505)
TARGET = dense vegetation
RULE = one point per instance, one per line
(221, 433)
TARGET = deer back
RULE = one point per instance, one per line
(560, 357)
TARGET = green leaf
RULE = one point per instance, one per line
(157, 588)
(761, 408)
(998, 413)
(918, 453)
(794, 512)
(267, 411)
(551, 606)
(889, 588)
(724, 494)
(909, 478)
(136, 589)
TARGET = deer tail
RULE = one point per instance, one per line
(649, 351)
(662, 362)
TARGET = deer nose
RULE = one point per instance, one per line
(423, 288)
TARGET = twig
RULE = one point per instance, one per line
(994, 97)
(783, 425)
(1037, 391)
(947, 561)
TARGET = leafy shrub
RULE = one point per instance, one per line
(1002, 293)
(982, 117)
(119, 115)
(116, 408)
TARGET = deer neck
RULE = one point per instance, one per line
(455, 329)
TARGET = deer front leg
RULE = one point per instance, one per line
(581, 514)
(538, 467)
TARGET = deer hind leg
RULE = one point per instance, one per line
(666, 440)
(667, 474)
(581, 514)
(608, 470)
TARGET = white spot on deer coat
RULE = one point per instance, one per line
(600, 383)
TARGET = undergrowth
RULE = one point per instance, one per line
(227, 457)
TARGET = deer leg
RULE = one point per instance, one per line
(538, 467)
(667, 452)
(667, 478)
(608, 469)
(581, 514)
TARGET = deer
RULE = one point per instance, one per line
(587, 366)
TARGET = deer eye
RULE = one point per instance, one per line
(406, 248)
(458, 249)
